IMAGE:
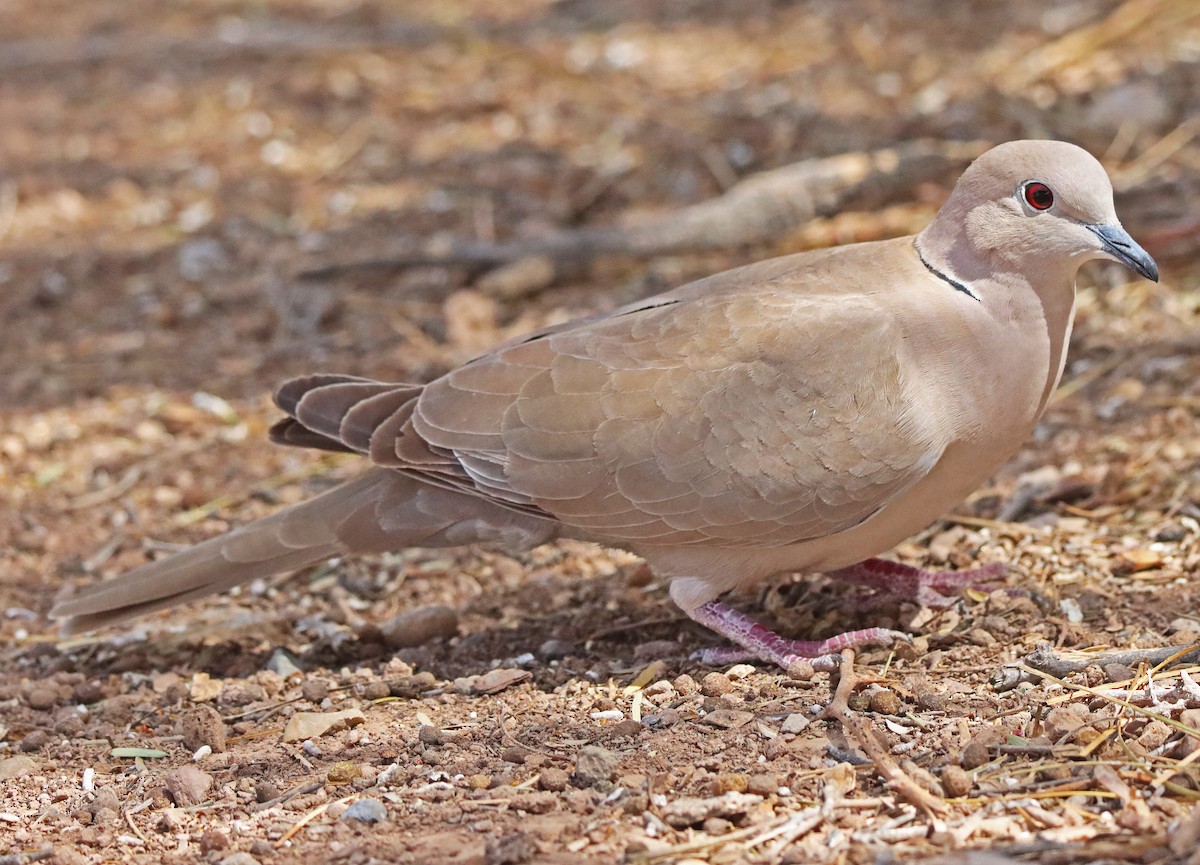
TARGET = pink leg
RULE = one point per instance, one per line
(760, 642)
(904, 582)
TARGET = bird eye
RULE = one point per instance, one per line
(1038, 195)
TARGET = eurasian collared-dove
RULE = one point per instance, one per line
(800, 414)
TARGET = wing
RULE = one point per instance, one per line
(745, 417)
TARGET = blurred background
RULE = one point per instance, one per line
(165, 177)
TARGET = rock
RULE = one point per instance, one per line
(265, 791)
(412, 687)
(88, 692)
(41, 698)
(1065, 721)
(314, 689)
(886, 702)
(202, 726)
(796, 722)
(204, 688)
(282, 664)
(728, 719)
(212, 839)
(715, 684)
(34, 740)
(956, 781)
(16, 767)
(235, 695)
(691, 811)
(418, 627)
(762, 784)
(187, 785)
(594, 765)
(512, 849)
(343, 772)
(554, 779)
(311, 725)
(625, 728)
(171, 820)
(366, 810)
(495, 681)
(432, 736)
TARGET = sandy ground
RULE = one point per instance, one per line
(163, 178)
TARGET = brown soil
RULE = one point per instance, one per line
(164, 173)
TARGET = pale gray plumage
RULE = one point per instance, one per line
(803, 413)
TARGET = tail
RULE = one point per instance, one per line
(292, 538)
(378, 511)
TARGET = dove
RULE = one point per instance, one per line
(802, 414)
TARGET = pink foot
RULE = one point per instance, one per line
(904, 582)
(761, 643)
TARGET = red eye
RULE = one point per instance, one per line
(1038, 195)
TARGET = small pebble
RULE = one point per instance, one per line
(418, 627)
(715, 684)
(343, 772)
(412, 687)
(375, 690)
(202, 726)
(553, 779)
(514, 848)
(932, 701)
(594, 765)
(975, 753)
(314, 689)
(17, 767)
(685, 684)
(265, 791)
(514, 754)
(282, 664)
(366, 810)
(211, 840)
(34, 740)
(796, 722)
(235, 695)
(187, 785)
(956, 781)
(762, 784)
(430, 735)
(41, 698)
(886, 702)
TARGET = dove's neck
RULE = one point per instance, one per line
(1021, 295)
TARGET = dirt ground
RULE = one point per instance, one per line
(167, 171)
